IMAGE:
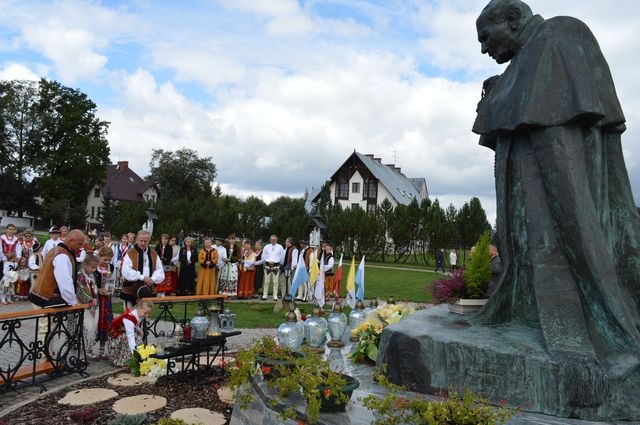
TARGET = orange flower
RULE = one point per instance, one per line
(327, 393)
(266, 370)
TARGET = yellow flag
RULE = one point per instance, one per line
(351, 283)
(315, 270)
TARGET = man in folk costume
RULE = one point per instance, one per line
(304, 257)
(327, 267)
(141, 266)
(54, 240)
(56, 280)
(165, 253)
(119, 251)
(272, 256)
(289, 263)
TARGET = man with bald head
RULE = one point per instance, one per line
(567, 226)
(55, 284)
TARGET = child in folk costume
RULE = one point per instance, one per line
(87, 293)
(229, 273)
(9, 278)
(208, 259)
(247, 277)
(9, 243)
(29, 244)
(119, 251)
(105, 282)
(124, 331)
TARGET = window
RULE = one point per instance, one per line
(96, 193)
(355, 187)
(354, 206)
(93, 212)
(343, 189)
(371, 208)
(371, 189)
(98, 216)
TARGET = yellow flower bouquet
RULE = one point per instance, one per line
(369, 331)
(141, 364)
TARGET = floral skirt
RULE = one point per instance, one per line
(229, 279)
(118, 350)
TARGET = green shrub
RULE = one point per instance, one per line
(129, 420)
(171, 421)
(478, 272)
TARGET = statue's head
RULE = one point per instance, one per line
(499, 25)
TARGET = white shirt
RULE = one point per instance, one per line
(222, 255)
(83, 254)
(49, 245)
(273, 253)
(132, 274)
(32, 262)
(63, 273)
(453, 258)
(131, 329)
(294, 257)
(329, 266)
(189, 255)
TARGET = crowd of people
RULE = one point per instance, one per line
(70, 268)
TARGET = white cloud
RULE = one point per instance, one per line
(16, 71)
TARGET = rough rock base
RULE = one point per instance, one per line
(436, 350)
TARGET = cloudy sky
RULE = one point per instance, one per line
(280, 92)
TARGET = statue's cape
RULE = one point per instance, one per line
(560, 61)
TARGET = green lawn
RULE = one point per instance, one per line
(404, 285)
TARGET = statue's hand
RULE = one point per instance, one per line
(488, 84)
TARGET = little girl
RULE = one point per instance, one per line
(124, 330)
(87, 293)
(9, 278)
(105, 282)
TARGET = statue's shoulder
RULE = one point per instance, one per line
(565, 26)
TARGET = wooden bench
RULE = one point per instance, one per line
(26, 372)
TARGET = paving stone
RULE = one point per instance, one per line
(135, 405)
(227, 395)
(199, 416)
(128, 380)
(87, 396)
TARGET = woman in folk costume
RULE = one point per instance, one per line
(259, 266)
(126, 332)
(105, 282)
(188, 259)
(207, 276)
(229, 273)
(247, 277)
(29, 245)
(173, 270)
(87, 293)
(165, 254)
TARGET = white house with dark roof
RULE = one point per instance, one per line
(365, 181)
(122, 185)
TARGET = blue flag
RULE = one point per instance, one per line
(300, 276)
(360, 280)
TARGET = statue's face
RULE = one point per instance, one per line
(496, 38)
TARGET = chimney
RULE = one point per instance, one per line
(122, 166)
(397, 169)
(369, 155)
(378, 160)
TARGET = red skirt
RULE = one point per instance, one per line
(245, 284)
(165, 285)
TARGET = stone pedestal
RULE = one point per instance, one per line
(436, 350)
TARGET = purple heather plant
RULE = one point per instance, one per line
(450, 289)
